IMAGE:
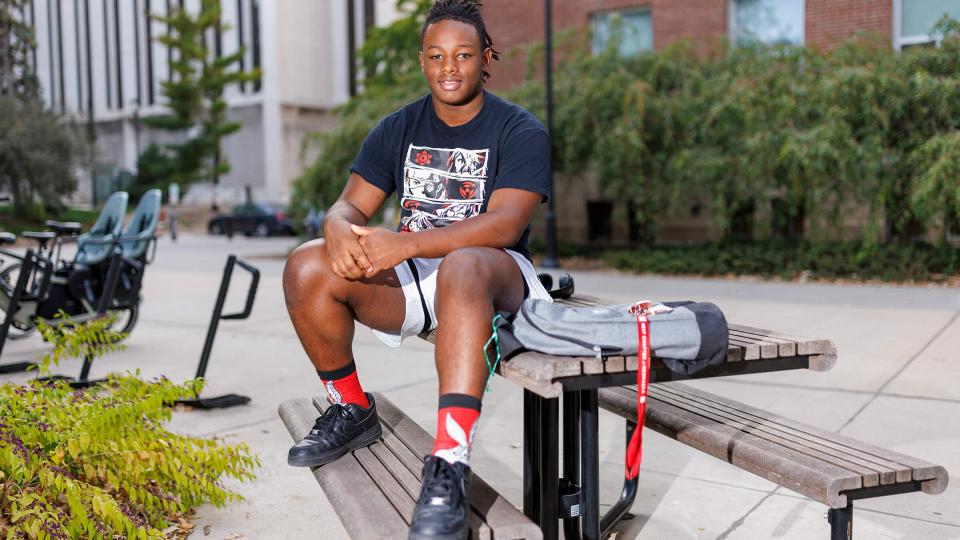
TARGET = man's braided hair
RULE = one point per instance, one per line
(465, 11)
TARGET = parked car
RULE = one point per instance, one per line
(253, 219)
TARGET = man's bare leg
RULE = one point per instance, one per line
(323, 307)
(472, 285)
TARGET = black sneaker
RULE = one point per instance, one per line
(340, 429)
(441, 511)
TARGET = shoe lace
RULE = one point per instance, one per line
(439, 482)
(328, 417)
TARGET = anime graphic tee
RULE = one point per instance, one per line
(443, 174)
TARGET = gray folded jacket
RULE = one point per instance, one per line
(690, 337)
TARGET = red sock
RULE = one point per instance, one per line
(343, 386)
(456, 426)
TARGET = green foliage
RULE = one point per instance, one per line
(195, 98)
(93, 338)
(98, 463)
(739, 129)
(10, 222)
(39, 153)
(389, 59)
(17, 41)
(791, 260)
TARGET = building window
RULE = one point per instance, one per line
(635, 29)
(914, 20)
(770, 22)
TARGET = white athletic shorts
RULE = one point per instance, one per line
(418, 277)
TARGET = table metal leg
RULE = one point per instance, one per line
(589, 465)
(531, 457)
(627, 495)
(540, 462)
(571, 454)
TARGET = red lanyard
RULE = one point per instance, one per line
(635, 447)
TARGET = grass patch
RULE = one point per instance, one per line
(17, 224)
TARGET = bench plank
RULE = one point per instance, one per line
(903, 465)
(873, 474)
(811, 477)
(504, 520)
(813, 462)
(346, 482)
(383, 479)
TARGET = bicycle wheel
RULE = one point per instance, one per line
(8, 281)
(126, 318)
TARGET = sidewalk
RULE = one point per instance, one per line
(895, 386)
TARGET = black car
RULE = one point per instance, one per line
(253, 219)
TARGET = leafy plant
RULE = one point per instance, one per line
(195, 97)
(98, 463)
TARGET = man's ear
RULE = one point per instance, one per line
(487, 57)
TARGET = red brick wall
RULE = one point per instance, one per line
(829, 22)
(513, 24)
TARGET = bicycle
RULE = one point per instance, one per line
(78, 287)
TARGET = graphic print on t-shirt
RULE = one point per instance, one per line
(441, 186)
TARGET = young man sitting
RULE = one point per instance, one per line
(469, 169)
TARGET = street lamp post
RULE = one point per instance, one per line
(550, 261)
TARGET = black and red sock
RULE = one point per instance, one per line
(343, 386)
(456, 426)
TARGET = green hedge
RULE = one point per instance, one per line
(834, 260)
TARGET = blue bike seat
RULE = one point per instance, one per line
(136, 237)
(96, 245)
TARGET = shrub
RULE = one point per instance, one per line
(98, 463)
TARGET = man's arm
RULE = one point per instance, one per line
(357, 203)
(508, 214)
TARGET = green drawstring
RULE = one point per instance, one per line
(496, 341)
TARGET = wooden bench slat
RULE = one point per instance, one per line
(615, 364)
(400, 470)
(771, 347)
(387, 475)
(921, 470)
(387, 483)
(811, 477)
(346, 482)
(873, 473)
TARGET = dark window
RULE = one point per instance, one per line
(772, 22)
(136, 50)
(106, 54)
(240, 44)
(148, 26)
(53, 77)
(76, 45)
(116, 37)
(255, 21)
(918, 17)
(33, 24)
(62, 86)
(634, 28)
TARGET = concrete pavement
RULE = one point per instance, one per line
(895, 385)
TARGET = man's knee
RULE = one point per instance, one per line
(466, 270)
(306, 270)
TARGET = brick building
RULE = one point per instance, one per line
(709, 25)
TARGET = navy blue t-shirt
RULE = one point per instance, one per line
(445, 174)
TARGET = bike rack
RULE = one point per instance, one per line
(226, 400)
(26, 268)
(103, 305)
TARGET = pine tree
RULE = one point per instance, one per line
(195, 95)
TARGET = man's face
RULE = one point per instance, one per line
(452, 61)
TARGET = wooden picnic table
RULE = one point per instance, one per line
(546, 378)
